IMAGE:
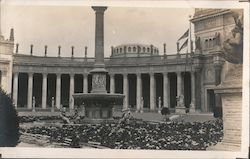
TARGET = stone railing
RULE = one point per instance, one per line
(21, 59)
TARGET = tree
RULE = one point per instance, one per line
(9, 122)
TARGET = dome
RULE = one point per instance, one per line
(132, 50)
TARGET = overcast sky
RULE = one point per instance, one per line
(74, 26)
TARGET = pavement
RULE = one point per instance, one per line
(157, 117)
(146, 116)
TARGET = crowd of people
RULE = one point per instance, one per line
(139, 135)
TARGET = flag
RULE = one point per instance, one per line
(184, 35)
(184, 45)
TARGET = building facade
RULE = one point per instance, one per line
(147, 76)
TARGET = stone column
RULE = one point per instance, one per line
(44, 91)
(138, 91)
(125, 91)
(166, 90)
(179, 84)
(112, 83)
(192, 105)
(198, 88)
(15, 89)
(85, 83)
(30, 93)
(99, 36)
(58, 91)
(71, 91)
(152, 91)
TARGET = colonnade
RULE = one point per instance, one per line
(139, 101)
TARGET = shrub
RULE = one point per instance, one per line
(9, 123)
(165, 111)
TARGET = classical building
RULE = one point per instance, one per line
(147, 76)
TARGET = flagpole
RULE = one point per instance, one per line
(190, 37)
(191, 43)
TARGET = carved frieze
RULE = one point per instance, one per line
(98, 81)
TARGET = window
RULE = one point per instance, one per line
(120, 50)
(144, 49)
(148, 49)
(210, 43)
(206, 43)
(214, 42)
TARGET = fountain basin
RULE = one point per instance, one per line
(97, 105)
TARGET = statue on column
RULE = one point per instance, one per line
(233, 46)
(180, 101)
(159, 105)
(33, 104)
(142, 104)
(52, 104)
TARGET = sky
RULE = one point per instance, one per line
(75, 26)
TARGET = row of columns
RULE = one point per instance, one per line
(44, 90)
(166, 89)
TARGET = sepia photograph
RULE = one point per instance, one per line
(124, 79)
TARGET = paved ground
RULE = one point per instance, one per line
(195, 117)
(148, 116)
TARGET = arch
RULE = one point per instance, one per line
(144, 49)
(129, 49)
(134, 49)
(148, 49)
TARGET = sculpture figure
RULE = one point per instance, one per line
(180, 101)
(233, 47)
(198, 44)
(217, 38)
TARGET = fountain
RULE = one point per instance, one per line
(98, 104)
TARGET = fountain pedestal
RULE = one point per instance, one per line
(98, 104)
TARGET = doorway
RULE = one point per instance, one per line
(210, 100)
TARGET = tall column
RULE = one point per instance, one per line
(138, 92)
(15, 88)
(30, 88)
(44, 91)
(99, 36)
(112, 83)
(58, 91)
(192, 105)
(85, 83)
(152, 91)
(71, 91)
(125, 91)
(166, 90)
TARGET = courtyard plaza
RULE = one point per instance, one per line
(142, 131)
